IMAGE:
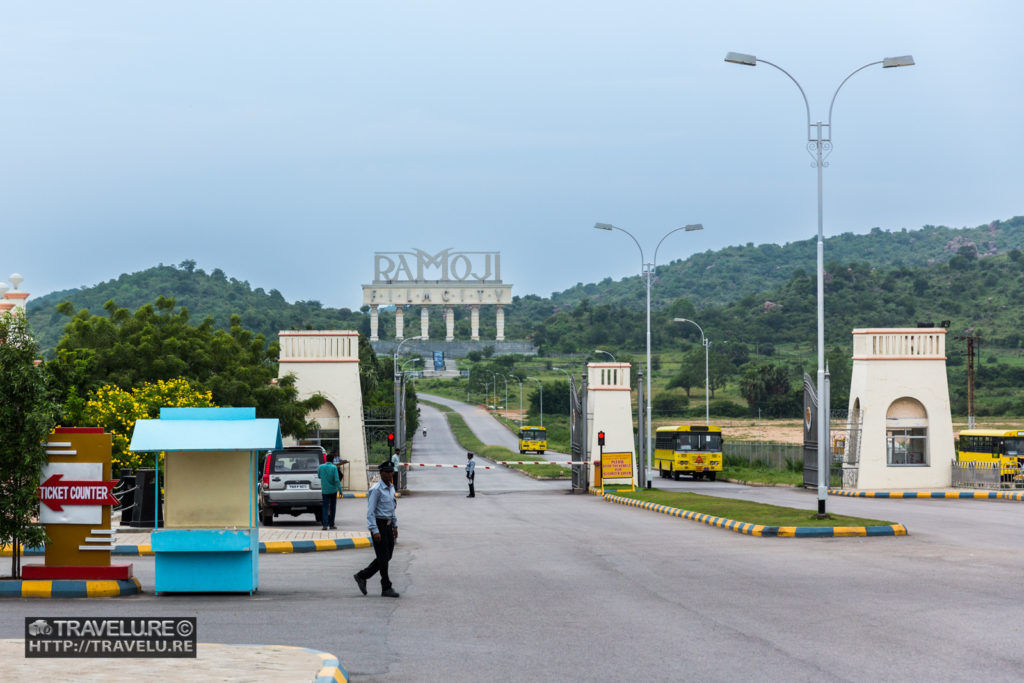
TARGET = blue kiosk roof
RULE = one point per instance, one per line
(206, 429)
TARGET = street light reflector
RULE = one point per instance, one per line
(751, 60)
(891, 62)
(604, 226)
(681, 320)
(695, 226)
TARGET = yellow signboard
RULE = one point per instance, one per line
(617, 465)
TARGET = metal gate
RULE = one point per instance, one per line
(578, 433)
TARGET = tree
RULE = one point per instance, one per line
(117, 410)
(27, 416)
(157, 342)
(769, 388)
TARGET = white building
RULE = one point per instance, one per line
(901, 429)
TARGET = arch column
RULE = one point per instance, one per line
(374, 322)
(449, 323)
(474, 322)
(425, 322)
(500, 323)
(399, 322)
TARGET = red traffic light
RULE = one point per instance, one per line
(391, 438)
(600, 438)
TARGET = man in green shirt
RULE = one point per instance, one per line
(330, 485)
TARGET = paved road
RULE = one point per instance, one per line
(440, 446)
(532, 583)
(486, 428)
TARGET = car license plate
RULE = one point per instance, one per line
(303, 487)
(700, 469)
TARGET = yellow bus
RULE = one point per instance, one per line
(992, 446)
(689, 449)
(533, 439)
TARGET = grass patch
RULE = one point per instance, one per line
(746, 511)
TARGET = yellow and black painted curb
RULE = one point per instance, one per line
(942, 495)
(761, 529)
(69, 588)
(330, 670)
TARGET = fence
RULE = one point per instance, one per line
(983, 475)
(775, 454)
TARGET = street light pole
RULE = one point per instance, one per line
(605, 353)
(706, 343)
(646, 270)
(400, 395)
(819, 146)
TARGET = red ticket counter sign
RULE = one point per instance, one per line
(55, 492)
(75, 498)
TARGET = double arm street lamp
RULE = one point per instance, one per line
(819, 146)
(706, 343)
(647, 271)
(400, 395)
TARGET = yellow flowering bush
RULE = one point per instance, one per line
(116, 410)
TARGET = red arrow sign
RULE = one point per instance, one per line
(55, 492)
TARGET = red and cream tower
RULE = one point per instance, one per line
(13, 299)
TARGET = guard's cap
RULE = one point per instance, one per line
(386, 467)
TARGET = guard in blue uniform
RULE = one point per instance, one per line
(383, 526)
(470, 474)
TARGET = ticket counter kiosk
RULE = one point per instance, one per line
(210, 539)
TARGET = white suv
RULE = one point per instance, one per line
(290, 484)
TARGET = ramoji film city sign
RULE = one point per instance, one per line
(447, 277)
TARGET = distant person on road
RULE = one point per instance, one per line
(470, 473)
(383, 526)
(330, 485)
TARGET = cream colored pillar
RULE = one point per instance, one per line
(449, 323)
(425, 322)
(373, 323)
(610, 411)
(399, 322)
(899, 392)
(474, 322)
(327, 362)
(500, 323)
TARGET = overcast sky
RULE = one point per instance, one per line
(286, 142)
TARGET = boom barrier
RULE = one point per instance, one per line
(500, 462)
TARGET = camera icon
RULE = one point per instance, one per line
(40, 627)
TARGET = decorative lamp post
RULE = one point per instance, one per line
(706, 343)
(819, 146)
(646, 271)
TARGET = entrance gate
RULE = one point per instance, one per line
(578, 433)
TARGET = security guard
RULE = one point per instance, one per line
(383, 526)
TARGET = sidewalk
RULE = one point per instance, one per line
(213, 662)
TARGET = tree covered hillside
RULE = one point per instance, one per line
(203, 294)
(719, 277)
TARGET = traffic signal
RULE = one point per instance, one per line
(600, 438)
(391, 440)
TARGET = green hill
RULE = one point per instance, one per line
(203, 294)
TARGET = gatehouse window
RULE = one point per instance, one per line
(906, 433)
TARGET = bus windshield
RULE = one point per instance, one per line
(1013, 446)
(698, 442)
(533, 435)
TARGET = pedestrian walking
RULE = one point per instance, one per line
(470, 474)
(330, 485)
(383, 526)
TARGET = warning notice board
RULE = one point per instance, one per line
(617, 465)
